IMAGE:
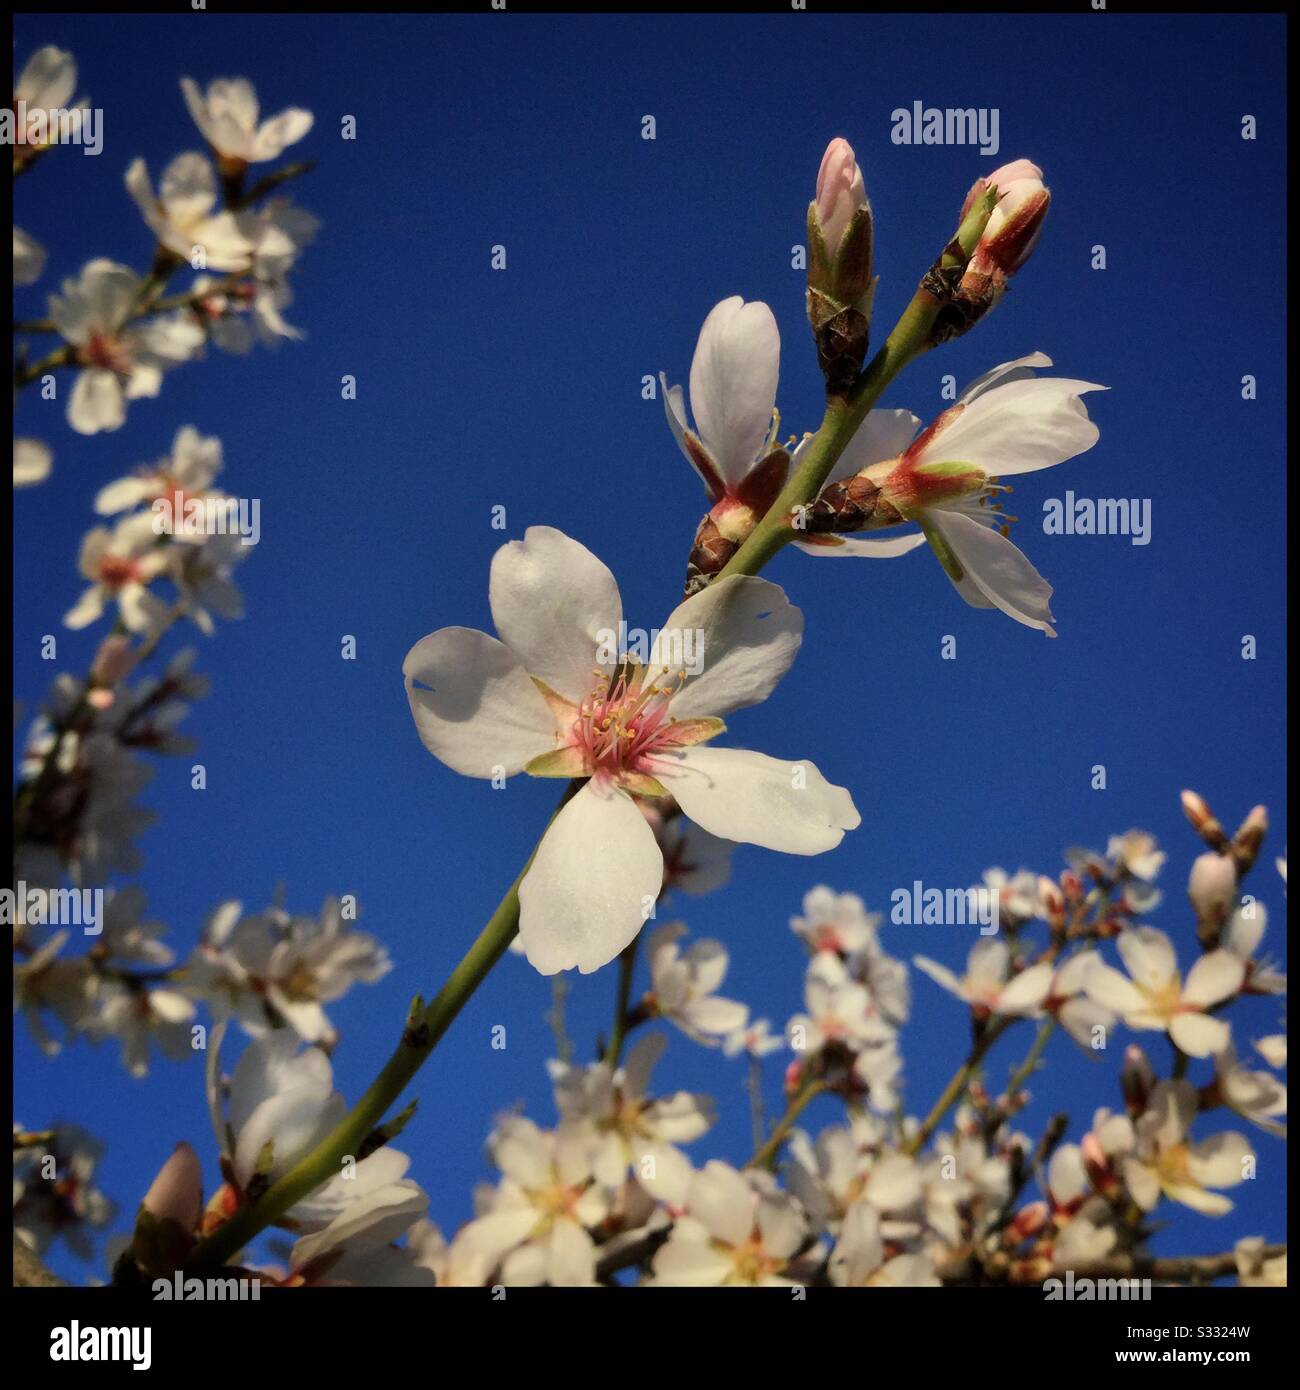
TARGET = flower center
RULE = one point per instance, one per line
(108, 351)
(117, 570)
(621, 724)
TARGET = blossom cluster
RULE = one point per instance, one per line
(120, 329)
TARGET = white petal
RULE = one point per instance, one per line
(742, 631)
(1017, 370)
(596, 874)
(733, 382)
(1018, 427)
(555, 605)
(758, 800)
(1027, 991)
(998, 570)
(475, 708)
(1149, 957)
(1114, 990)
(884, 434)
(1219, 1161)
(865, 547)
(1199, 1035)
(722, 1199)
(941, 975)
(96, 402)
(1215, 977)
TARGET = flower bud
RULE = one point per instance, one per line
(176, 1194)
(1212, 885)
(840, 283)
(1137, 1079)
(1028, 1221)
(1005, 244)
(1249, 837)
(840, 192)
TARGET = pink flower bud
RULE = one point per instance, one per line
(1029, 1220)
(1016, 223)
(840, 191)
(177, 1192)
(1212, 885)
(1137, 1079)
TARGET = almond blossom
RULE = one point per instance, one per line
(1154, 995)
(120, 361)
(29, 258)
(861, 1258)
(1006, 422)
(985, 986)
(121, 564)
(627, 1127)
(1242, 936)
(227, 114)
(270, 969)
(683, 985)
(1159, 1157)
(733, 446)
(835, 922)
(553, 699)
(738, 1229)
(279, 1103)
(1257, 1096)
(181, 215)
(535, 1225)
(186, 472)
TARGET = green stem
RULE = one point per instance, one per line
(909, 338)
(960, 1080)
(421, 1035)
(1022, 1073)
(626, 967)
(765, 1155)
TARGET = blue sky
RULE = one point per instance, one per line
(522, 388)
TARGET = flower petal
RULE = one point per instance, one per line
(475, 708)
(758, 800)
(555, 605)
(1018, 427)
(866, 548)
(998, 570)
(597, 872)
(744, 632)
(1215, 977)
(733, 383)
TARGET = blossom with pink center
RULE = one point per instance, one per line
(120, 565)
(555, 698)
(985, 986)
(184, 475)
(733, 445)
(120, 361)
(1007, 421)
